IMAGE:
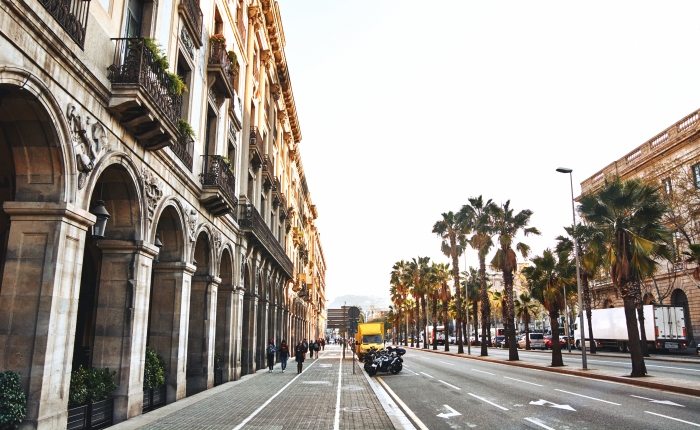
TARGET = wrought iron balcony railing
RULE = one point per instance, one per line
(72, 15)
(256, 147)
(134, 63)
(219, 186)
(221, 69)
(254, 224)
(192, 16)
(184, 149)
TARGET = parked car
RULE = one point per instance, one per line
(698, 350)
(536, 341)
(498, 341)
(475, 342)
(453, 339)
(548, 341)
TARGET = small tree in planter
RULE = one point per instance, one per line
(13, 401)
(88, 397)
(153, 380)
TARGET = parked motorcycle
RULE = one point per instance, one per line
(385, 360)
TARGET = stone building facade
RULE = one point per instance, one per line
(210, 248)
(672, 160)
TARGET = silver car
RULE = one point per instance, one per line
(536, 341)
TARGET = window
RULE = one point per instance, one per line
(218, 22)
(184, 71)
(667, 185)
(134, 16)
(231, 155)
(696, 175)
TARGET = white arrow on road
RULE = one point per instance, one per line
(452, 413)
(662, 402)
(542, 402)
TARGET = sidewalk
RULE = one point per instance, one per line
(312, 400)
(675, 385)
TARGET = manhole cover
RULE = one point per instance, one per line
(352, 388)
(317, 382)
(355, 409)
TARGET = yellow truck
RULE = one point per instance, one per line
(369, 335)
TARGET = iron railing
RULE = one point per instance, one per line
(184, 148)
(217, 173)
(134, 63)
(219, 56)
(267, 166)
(72, 15)
(256, 140)
(250, 219)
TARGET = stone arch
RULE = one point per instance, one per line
(608, 303)
(648, 299)
(225, 304)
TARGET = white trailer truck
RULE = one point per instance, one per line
(664, 327)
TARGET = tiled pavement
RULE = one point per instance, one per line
(279, 401)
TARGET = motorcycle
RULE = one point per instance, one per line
(385, 360)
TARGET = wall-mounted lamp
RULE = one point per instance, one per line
(98, 229)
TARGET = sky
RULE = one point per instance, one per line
(407, 108)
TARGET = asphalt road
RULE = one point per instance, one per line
(446, 392)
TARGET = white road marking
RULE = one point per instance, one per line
(410, 371)
(671, 367)
(410, 413)
(451, 364)
(675, 419)
(449, 385)
(336, 419)
(519, 380)
(452, 413)
(627, 364)
(481, 371)
(663, 402)
(268, 401)
(423, 373)
(592, 398)
(490, 403)
(534, 421)
(543, 402)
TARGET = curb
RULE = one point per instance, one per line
(585, 374)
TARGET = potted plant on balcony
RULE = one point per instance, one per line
(153, 381)
(185, 128)
(88, 398)
(218, 39)
(13, 401)
(160, 61)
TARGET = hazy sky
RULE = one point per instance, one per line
(407, 108)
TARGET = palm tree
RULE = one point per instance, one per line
(480, 216)
(399, 293)
(417, 277)
(445, 295)
(452, 231)
(438, 276)
(546, 281)
(507, 225)
(473, 292)
(589, 261)
(629, 215)
(524, 307)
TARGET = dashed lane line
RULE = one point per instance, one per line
(451, 364)
(588, 397)
(423, 373)
(481, 371)
(489, 402)
(449, 385)
(535, 422)
(520, 380)
(672, 418)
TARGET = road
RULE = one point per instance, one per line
(447, 392)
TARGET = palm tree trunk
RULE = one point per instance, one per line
(557, 359)
(435, 319)
(458, 295)
(446, 323)
(526, 317)
(510, 315)
(416, 329)
(485, 305)
(476, 318)
(640, 317)
(589, 313)
(425, 323)
(638, 366)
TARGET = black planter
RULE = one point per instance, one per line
(218, 377)
(77, 418)
(153, 398)
(101, 414)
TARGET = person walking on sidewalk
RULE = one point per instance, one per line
(284, 354)
(271, 351)
(299, 354)
(312, 349)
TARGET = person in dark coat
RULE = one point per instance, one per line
(284, 354)
(299, 354)
(271, 351)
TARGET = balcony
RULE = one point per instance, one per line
(282, 206)
(268, 170)
(192, 17)
(256, 148)
(258, 232)
(142, 99)
(184, 149)
(72, 15)
(220, 69)
(218, 187)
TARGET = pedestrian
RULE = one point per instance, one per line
(284, 354)
(271, 351)
(299, 354)
(306, 345)
(312, 349)
(323, 344)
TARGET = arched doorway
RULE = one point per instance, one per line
(202, 319)
(250, 306)
(679, 298)
(224, 358)
(167, 313)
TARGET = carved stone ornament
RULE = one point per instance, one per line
(153, 190)
(192, 217)
(217, 241)
(89, 142)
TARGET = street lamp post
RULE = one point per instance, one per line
(578, 270)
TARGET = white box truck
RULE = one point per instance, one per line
(664, 327)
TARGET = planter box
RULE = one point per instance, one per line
(77, 418)
(218, 377)
(153, 398)
(101, 414)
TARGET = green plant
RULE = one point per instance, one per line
(232, 57)
(177, 85)
(185, 127)
(160, 60)
(154, 370)
(218, 38)
(228, 164)
(13, 401)
(217, 361)
(78, 390)
(99, 382)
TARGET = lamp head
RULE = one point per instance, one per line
(100, 212)
(564, 170)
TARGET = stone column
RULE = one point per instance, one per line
(168, 323)
(39, 303)
(250, 311)
(121, 320)
(202, 332)
(226, 329)
(262, 338)
(238, 332)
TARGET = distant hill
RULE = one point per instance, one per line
(362, 301)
